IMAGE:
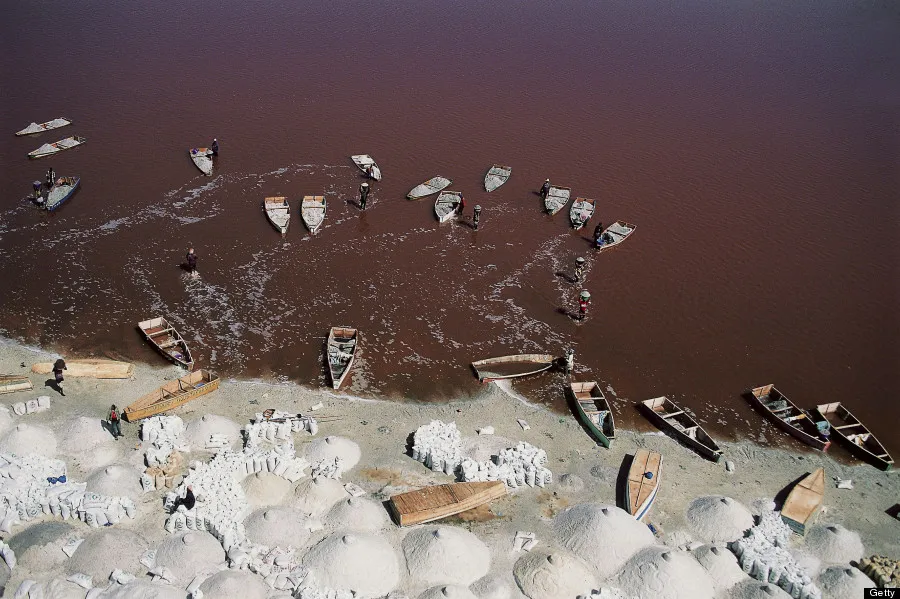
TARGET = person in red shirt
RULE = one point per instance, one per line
(584, 301)
(114, 422)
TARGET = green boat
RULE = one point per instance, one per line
(593, 410)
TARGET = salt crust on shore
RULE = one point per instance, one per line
(715, 518)
(664, 573)
(264, 489)
(91, 444)
(448, 592)
(56, 588)
(554, 575)
(234, 583)
(357, 513)
(277, 527)
(570, 483)
(840, 582)
(197, 432)
(190, 553)
(332, 447)
(29, 438)
(116, 480)
(38, 547)
(106, 550)
(445, 555)
(360, 562)
(754, 589)
(315, 496)
(721, 565)
(834, 544)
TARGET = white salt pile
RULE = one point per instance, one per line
(720, 564)
(834, 544)
(448, 592)
(838, 582)
(556, 575)
(264, 488)
(115, 480)
(57, 588)
(317, 496)
(38, 546)
(438, 446)
(515, 466)
(331, 447)
(6, 420)
(91, 445)
(445, 555)
(189, 554)
(199, 432)
(754, 589)
(357, 513)
(492, 586)
(140, 589)
(715, 518)
(231, 583)
(665, 573)
(278, 527)
(604, 536)
(24, 438)
(108, 549)
(360, 562)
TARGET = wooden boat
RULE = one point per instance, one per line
(643, 482)
(61, 192)
(615, 234)
(788, 417)
(58, 146)
(850, 431)
(363, 162)
(557, 198)
(446, 205)
(201, 158)
(594, 411)
(167, 341)
(440, 501)
(510, 367)
(804, 502)
(278, 211)
(496, 176)
(668, 417)
(173, 394)
(40, 128)
(341, 349)
(90, 368)
(10, 383)
(312, 211)
(429, 187)
(581, 212)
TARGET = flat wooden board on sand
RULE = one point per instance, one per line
(439, 501)
(95, 369)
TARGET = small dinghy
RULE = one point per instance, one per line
(615, 234)
(278, 211)
(365, 163)
(341, 348)
(581, 212)
(428, 187)
(593, 410)
(59, 146)
(167, 341)
(557, 198)
(172, 394)
(670, 418)
(496, 176)
(643, 482)
(201, 157)
(61, 192)
(788, 417)
(446, 205)
(858, 439)
(312, 211)
(40, 128)
(510, 367)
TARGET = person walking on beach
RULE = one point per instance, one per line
(579, 269)
(363, 195)
(113, 419)
(584, 301)
(58, 367)
(51, 177)
(192, 262)
(598, 231)
(545, 189)
(476, 217)
(215, 147)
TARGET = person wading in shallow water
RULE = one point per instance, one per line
(51, 177)
(569, 361)
(113, 419)
(192, 262)
(584, 301)
(545, 189)
(476, 217)
(363, 195)
(598, 231)
(215, 147)
(58, 367)
(579, 269)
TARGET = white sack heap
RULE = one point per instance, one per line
(438, 446)
(516, 466)
(32, 405)
(279, 427)
(163, 435)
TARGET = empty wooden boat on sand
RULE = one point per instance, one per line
(615, 234)
(90, 368)
(201, 158)
(510, 367)
(671, 419)
(557, 198)
(61, 192)
(278, 211)
(429, 187)
(173, 394)
(167, 341)
(643, 482)
(440, 501)
(496, 176)
(854, 435)
(593, 410)
(312, 211)
(10, 383)
(58, 146)
(447, 205)
(788, 417)
(581, 212)
(341, 349)
(367, 165)
(804, 502)
(41, 127)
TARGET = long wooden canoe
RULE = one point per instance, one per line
(10, 383)
(446, 205)
(312, 211)
(670, 418)
(615, 234)
(167, 341)
(593, 410)
(202, 160)
(510, 367)
(367, 165)
(173, 394)
(61, 192)
(496, 176)
(341, 350)
(852, 433)
(440, 501)
(804, 502)
(41, 127)
(643, 482)
(788, 417)
(58, 146)
(90, 368)
(581, 212)
(433, 185)
(557, 198)
(278, 211)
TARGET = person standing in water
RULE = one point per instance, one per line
(545, 189)
(215, 147)
(192, 262)
(579, 269)
(113, 419)
(584, 301)
(569, 360)
(363, 195)
(598, 231)
(36, 191)
(58, 368)
(460, 208)
(51, 177)
(476, 217)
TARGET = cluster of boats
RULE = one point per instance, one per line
(63, 187)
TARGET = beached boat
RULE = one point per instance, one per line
(201, 158)
(312, 211)
(615, 234)
(446, 205)
(173, 394)
(850, 431)
(643, 482)
(167, 340)
(440, 501)
(429, 187)
(58, 146)
(804, 502)
(496, 176)
(89, 368)
(581, 212)
(788, 417)
(593, 410)
(278, 211)
(557, 198)
(670, 418)
(510, 367)
(341, 349)
(366, 164)
(10, 383)
(41, 127)
(62, 191)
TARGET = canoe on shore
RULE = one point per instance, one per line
(429, 187)
(173, 394)
(440, 501)
(312, 211)
(367, 165)
(643, 482)
(615, 234)
(593, 410)
(341, 350)
(61, 192)
(854, 435)
(201, 158)
(510, 367)
(10, 383)
(41, 127)
(496, 176)
(557, 198)
(804, 502)
(446, 205)
(788, 417)
(670, 418)
(58, 146)
(581, 212)
(278, 211)
(89, 368)
(167, 341)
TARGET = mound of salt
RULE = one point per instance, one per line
(448, 592)
(664, 573)
(316, 496)
(264, 488)
(233, 583)
(5, 573)
(359, 562)
(357, 513)
(108, 549)
(333, 447)
(602, 535)
(571, 483)
(190, 553)
(556, 575)
(141, 589)
(91, 444)
(277, 527)
(6, 420)
(838, 582)
(834, 544)
(39, 547)
(197, 432)
(754, 589)
(29, 438)
(721, 565)
(492, 586)
(116, 480)
(715, 518)
(445, 555)
(57, 588)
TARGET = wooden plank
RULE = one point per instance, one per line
(89, 368)
(440, 501)
(804, 501)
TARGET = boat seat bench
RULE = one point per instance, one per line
(672, 414)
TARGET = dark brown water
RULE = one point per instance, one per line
(756, 146)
